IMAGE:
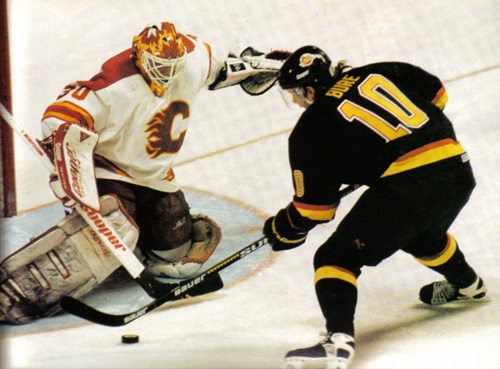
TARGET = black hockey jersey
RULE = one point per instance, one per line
(376, 121)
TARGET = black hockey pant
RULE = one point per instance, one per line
(411, 212)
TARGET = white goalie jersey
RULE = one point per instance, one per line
(140, 134)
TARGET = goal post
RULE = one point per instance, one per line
(8, 206)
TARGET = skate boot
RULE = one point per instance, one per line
(336, 351)
(439, 293)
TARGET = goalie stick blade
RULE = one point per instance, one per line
(189, 288)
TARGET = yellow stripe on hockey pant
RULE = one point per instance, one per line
(427, 154)
(335, 272)
(442, 257)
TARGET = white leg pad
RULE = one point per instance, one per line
(68, 259)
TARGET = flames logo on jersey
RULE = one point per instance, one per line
(166, 130)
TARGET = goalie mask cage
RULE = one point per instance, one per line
(8, 205)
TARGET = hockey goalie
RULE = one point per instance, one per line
(113, 140)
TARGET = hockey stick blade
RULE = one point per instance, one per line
(178, 291)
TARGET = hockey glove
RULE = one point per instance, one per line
(73, 181)
(281, 234)
(269, 64)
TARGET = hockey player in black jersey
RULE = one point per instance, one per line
(379, 125)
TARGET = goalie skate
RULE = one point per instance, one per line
(443, 292)
(336, 351)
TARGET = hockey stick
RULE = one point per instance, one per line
(98, 223)
(201, 284)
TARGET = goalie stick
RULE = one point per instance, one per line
(97, 222)
(208, 281)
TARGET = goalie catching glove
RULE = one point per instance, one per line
(254, 71)
(206, 237)
(74, 179)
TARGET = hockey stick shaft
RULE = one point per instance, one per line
(203, 283)
(95, 220)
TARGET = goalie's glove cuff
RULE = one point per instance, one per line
(57, 189)
(282, 235)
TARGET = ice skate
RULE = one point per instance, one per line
(336, 351)
(443, 292)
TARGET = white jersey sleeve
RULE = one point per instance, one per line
(140, 134)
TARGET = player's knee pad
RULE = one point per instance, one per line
(68, 259)
(339, 251)
(206, 237)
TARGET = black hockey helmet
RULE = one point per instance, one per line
(307, 66)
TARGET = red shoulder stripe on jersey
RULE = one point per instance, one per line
(186, 40)
(316, 212)
(114, 69)
(69, 112)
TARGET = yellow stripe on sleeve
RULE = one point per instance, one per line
(442, 257)
(69, 112)
(316, 212)
(335, 272)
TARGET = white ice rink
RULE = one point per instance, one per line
(236, 148)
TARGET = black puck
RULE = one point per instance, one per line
(130, 338)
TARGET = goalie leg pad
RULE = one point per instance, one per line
(206, 236)
(68, 259)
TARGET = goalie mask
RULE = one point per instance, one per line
(160, 55)
(307, 66)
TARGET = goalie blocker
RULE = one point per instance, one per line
(72, 147)
(68, 259)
